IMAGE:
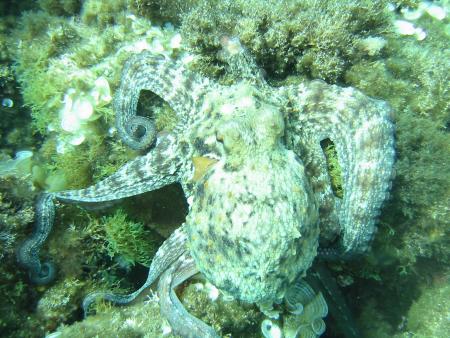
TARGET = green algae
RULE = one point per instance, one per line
(60, 7)
(129, 239)
(307, 37)
(334, 169)
(15, 215)
(433, 322)
(229, 317)
(139, 320)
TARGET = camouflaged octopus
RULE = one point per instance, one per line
(249, 159)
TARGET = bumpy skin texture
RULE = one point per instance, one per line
(254, 206)
(248, 157)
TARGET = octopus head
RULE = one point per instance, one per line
(254, 128)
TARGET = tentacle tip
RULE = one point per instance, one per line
(140, 133)
(45, 275)
(87, 302)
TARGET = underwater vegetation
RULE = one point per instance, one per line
(60, 67)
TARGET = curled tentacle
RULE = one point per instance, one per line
(182, 323)
(156, 169)
(307, 307)
(168, 79)
(140, 132)
(28, 253)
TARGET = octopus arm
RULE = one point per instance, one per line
(158, 168)
(363, 135)
(166, 78)
(182, 323)
(40, 273)
(167, 254)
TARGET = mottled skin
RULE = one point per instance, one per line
(249, 160)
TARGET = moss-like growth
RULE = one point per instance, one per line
(103, 13)
(43, 37)
(428, 316)
(318, 38)
(64, 64)
(156, 108)
(60, 302)
(128, 239)
(163, 11)
(227, 317)
(16, 217)
(414, 79)
(334, 169)
(133, 321)
(60, 7)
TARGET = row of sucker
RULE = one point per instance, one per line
(306, 310)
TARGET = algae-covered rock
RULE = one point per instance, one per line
(317, 39)
(59, 303)
(141, 320)
(429, 316)
(16, 216)
(226, 316)
(60, 7)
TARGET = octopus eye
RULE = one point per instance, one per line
(219, 137)
(229, 134)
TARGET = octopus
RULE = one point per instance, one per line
(249, 157)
